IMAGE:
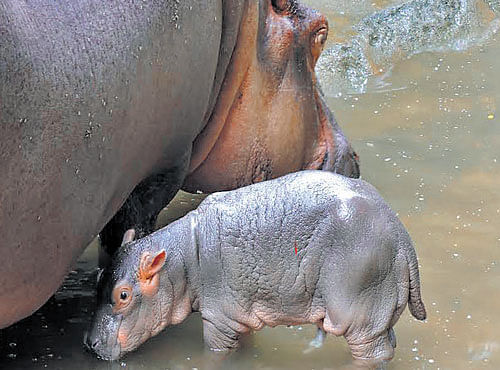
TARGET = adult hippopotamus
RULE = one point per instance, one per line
(108, 108)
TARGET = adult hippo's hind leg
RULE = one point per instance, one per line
(140, 210)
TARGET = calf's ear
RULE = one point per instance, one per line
(128, 236)
(151, 264)
(149, 279)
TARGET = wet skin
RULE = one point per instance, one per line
(310, 247)
(106, 108)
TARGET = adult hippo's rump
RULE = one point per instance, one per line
(108, 107)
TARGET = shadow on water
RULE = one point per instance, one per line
(428, 134)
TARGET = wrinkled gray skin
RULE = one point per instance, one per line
(233, 259)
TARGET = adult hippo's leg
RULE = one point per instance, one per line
(140, 210)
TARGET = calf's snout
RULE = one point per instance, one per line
(101, 337)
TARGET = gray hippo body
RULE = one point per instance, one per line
(107, 108)
(310, 247)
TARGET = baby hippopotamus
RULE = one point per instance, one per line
(310, 247)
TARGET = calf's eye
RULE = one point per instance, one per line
(121, 296)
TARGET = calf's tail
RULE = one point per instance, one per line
(415, 303)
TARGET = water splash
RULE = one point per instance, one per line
(398, 32)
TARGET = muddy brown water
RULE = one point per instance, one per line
(428, 134)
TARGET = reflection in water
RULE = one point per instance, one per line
(398, 32)
(432, 149)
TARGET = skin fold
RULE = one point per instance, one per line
(270, 89)
(309, 247)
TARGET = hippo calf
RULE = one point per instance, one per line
(310, 247)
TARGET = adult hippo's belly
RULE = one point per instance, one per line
(108, 108)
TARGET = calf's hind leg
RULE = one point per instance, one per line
(378, 348)
(367, 326)
(365, 343)
(365, 320)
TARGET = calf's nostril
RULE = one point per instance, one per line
(90, 343)
(93, 343)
